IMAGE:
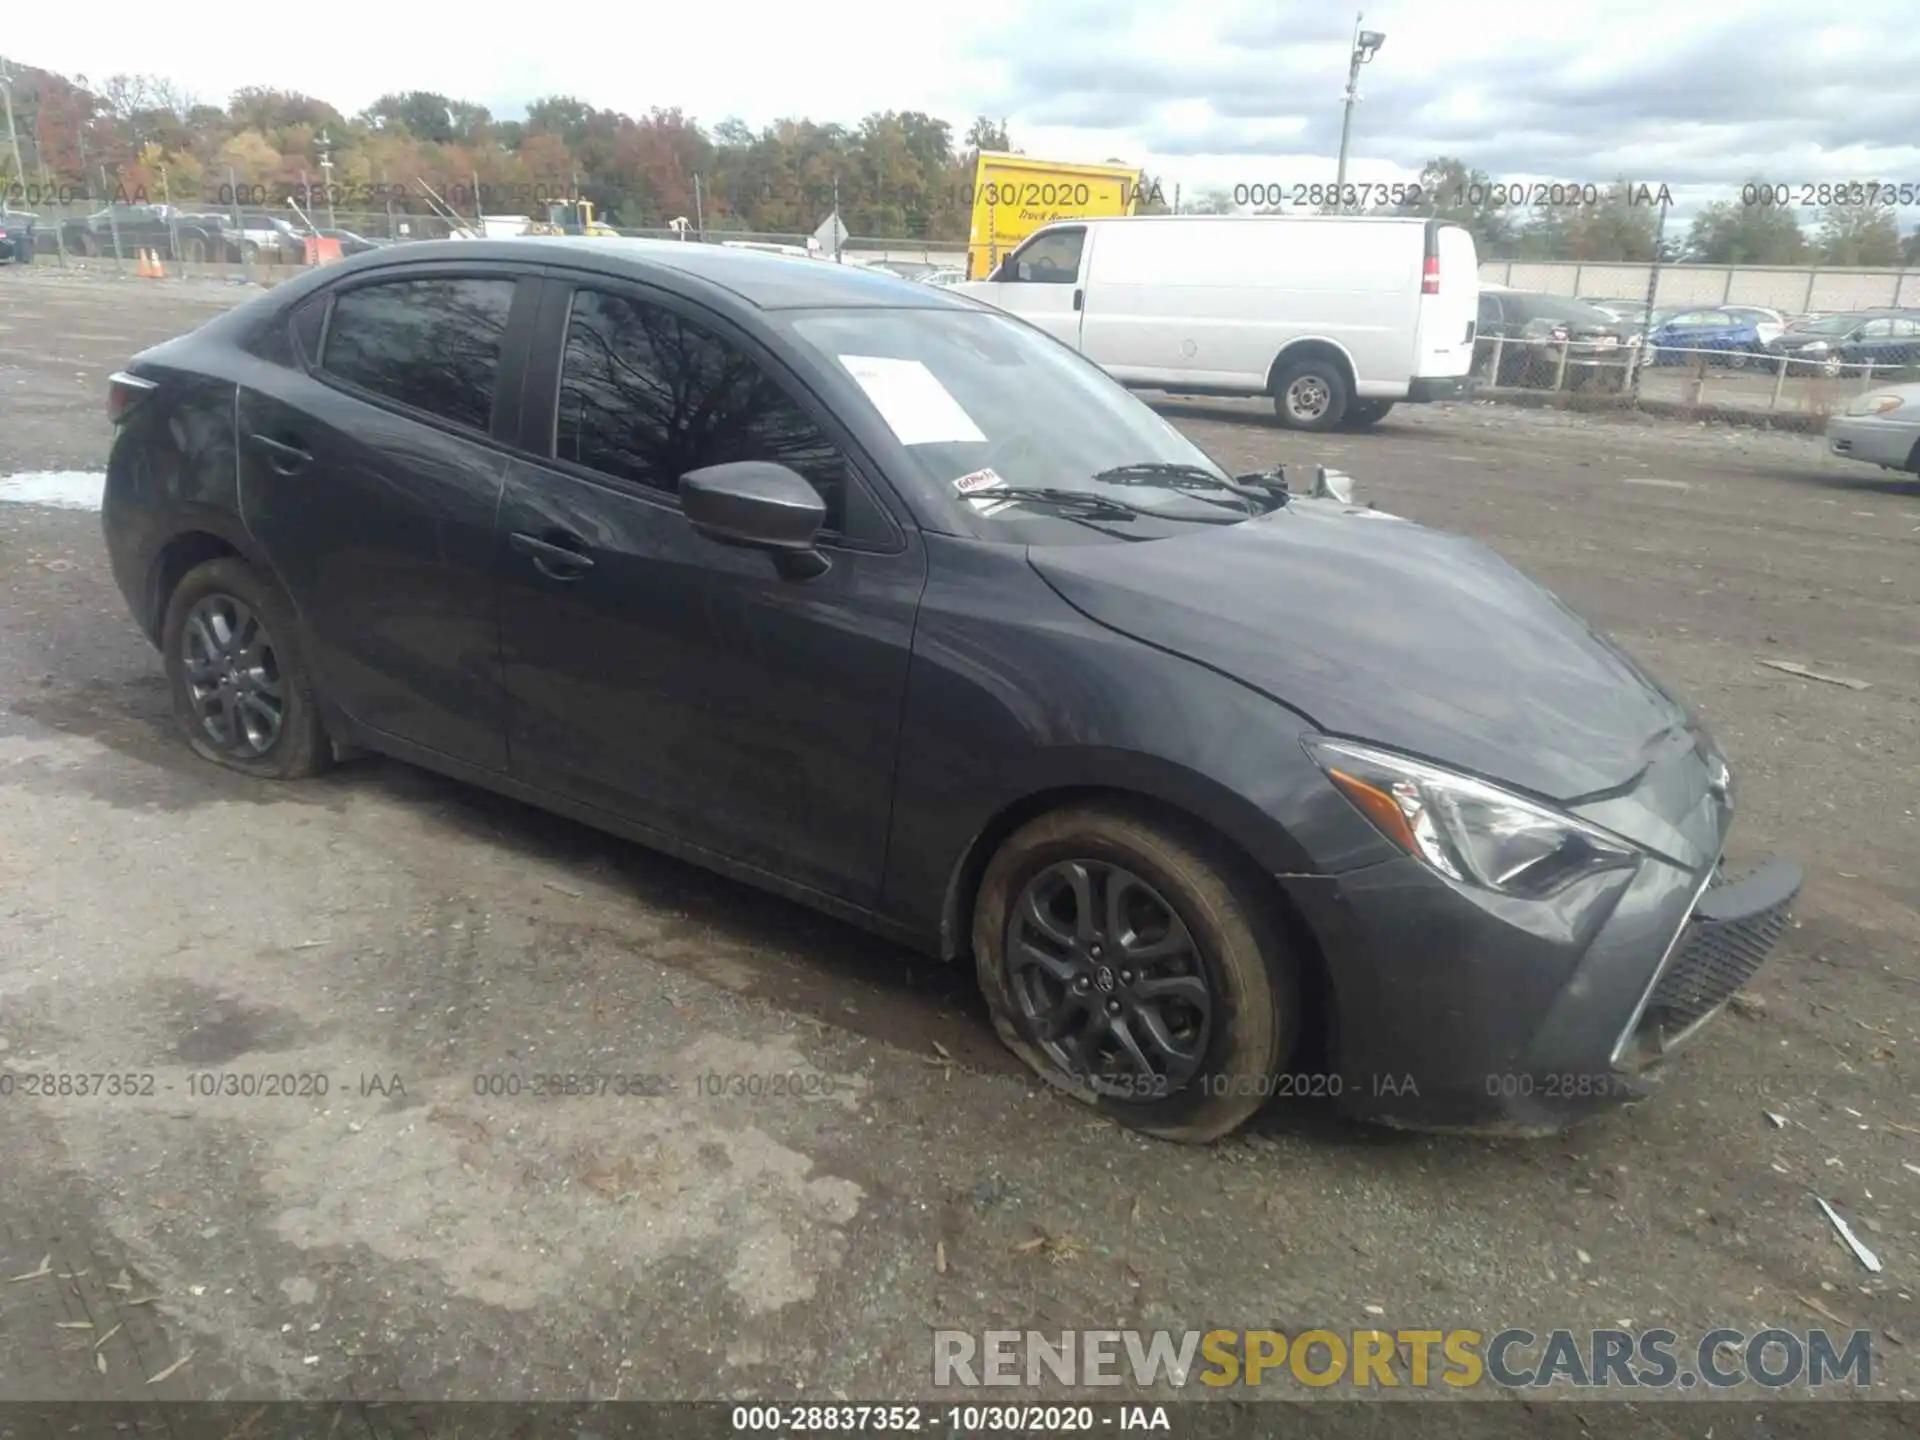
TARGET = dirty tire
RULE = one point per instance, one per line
(301, 748)
(1362, 413)
(1302, 379)
(1248, 964)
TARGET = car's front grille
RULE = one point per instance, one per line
(1716, 958)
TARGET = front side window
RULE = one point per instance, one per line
(1050, 259)
(647, 395)
(1876, 330)
(432, 345)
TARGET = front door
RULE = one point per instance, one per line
(1043, 282)
(674, 681)
(371, 481)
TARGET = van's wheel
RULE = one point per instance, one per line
(1134, 966)
(1311, 395)
(1362, 413)
(242, 689)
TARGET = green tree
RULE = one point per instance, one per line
(1859, 235)
(1451, 190)
(1731, 233)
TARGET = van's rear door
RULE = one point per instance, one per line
(1449, 302)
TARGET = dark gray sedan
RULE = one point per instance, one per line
(859, 590)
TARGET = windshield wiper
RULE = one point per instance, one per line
(1177, 476)
(1088, 503)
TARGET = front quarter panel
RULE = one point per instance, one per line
(1014, 695)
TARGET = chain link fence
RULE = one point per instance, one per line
(265, 244)
(1811, 371)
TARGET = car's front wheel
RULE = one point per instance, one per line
(1135, 966)
(242, 689)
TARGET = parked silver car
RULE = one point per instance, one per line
(1881, 427)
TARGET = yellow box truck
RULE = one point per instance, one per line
(1014, 195)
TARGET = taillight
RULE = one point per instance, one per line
(1430, 276)
(124, 391)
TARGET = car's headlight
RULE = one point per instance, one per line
(1875, 405)
(1468, 830)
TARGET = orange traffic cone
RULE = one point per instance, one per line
(159, 270)
(145, 268)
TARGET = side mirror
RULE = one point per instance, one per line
(758, 505)
(1332, 485)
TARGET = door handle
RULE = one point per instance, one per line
(555, 560)
(1079, 297)
(281, 456)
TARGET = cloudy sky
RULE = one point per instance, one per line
(1209, 93)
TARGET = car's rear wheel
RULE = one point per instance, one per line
(1310, 395)
(193, 250)
(242, 690)
(1362, 413)
(1135, 966)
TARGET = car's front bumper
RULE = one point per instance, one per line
(1879, 442)
(1460, 1010)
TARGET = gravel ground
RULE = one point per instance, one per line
(400, 934)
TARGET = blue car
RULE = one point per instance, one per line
(1730, 335)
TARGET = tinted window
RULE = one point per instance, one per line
(430, 344)
(309, 319)
(646, 396)
(1555, 307)
(1876, 330)
(1052, 259)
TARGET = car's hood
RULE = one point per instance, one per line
(1379, 629)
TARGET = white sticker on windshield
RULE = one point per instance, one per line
(913, 402)
(979, 486)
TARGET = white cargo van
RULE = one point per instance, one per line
(1335, 317)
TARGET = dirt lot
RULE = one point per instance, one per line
(401, 934)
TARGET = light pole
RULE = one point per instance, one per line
(326, 177)
(1366, 44)
(19, 172)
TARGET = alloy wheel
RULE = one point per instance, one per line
(233, 676)
(1109, 980)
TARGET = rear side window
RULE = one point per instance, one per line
(432, 345)
(309, 320)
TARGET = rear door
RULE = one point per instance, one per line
(1449, 301)
(1043, 282)
(370, 476)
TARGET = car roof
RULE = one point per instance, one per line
(764, 281)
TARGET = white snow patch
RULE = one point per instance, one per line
(61, 489)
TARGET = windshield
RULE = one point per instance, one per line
(1831, 325)
(984, 401)
(1554, 307)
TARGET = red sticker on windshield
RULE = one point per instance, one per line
(978, 480)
